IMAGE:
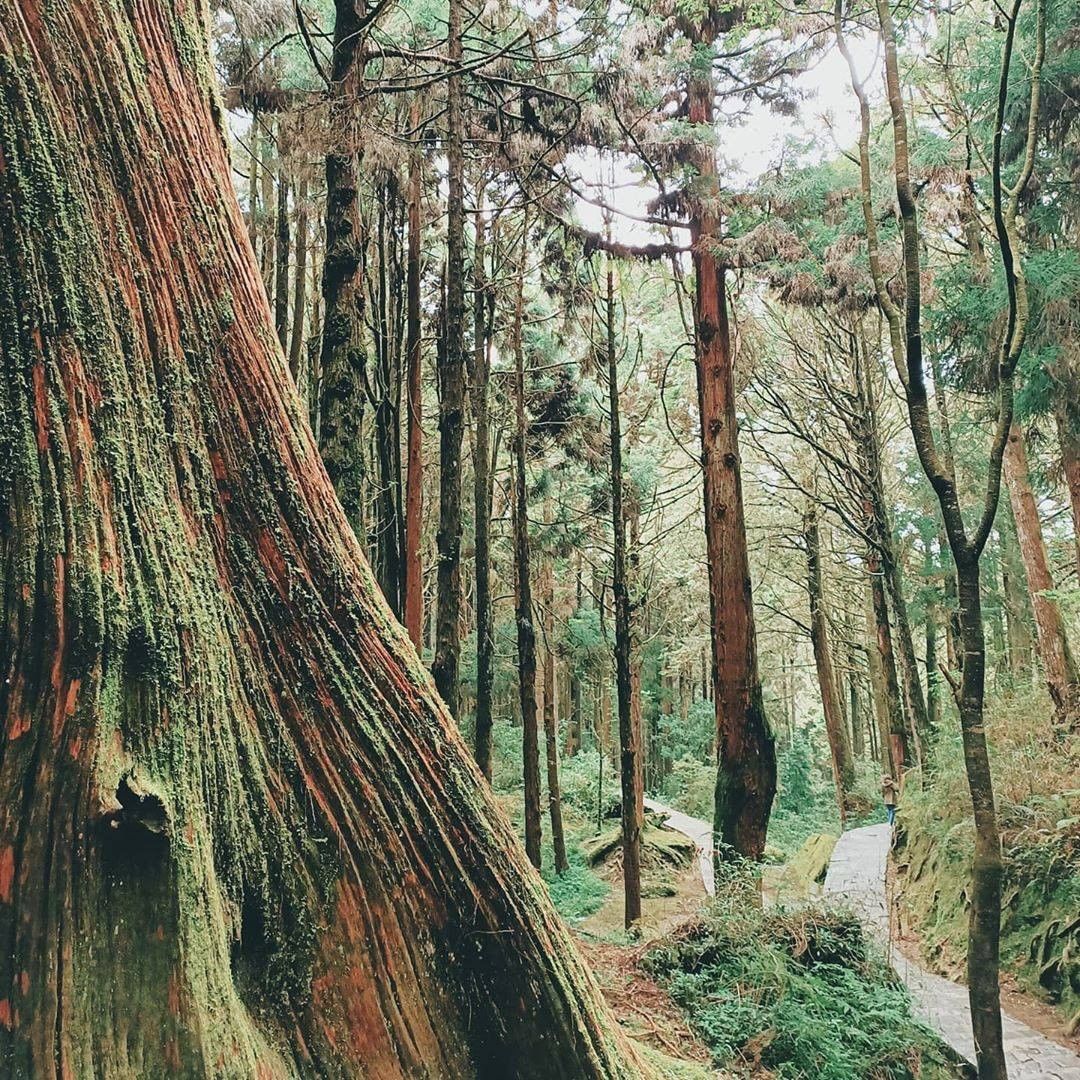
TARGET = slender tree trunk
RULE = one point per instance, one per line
(526, 631)
(746, 750)
(414, 492)
(267, 231)
(482, 490)
(835, 726)
(551, 721)
(1019, 619)
(254, 136)
(1068, 431)
(984, 912)
(633, 792)
(218, 747)
(931, 632)
(296, 339)
(281, 258)
(342, 356)
(451, 386)
(1057, 660)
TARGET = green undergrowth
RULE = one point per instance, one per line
(1037, 784)
(797, 992)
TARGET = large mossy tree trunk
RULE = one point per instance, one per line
(745, 747)
(239, 835)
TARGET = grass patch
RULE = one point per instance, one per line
(577, 893)
(797, 992)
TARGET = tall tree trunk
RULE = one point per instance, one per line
(254, 135)
(746, 750)
(526, 631)
(551, 720)
(342, 357)
(281, 258)
(835, 726)
(896, 730)
(444, 667)
(414, 491)
(238, 834)
(1019, 618)
(633, 792)
(296, 338)
(1057, 660)
(482, 492)
(267, 240)
(1068, 431)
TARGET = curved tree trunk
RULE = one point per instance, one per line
(239, 835)
(1057, 660)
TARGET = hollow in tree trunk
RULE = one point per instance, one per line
(238, 833)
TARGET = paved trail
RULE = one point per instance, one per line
(699, 831)
(857, 878)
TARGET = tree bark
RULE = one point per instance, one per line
(281, 258)
(238, 834)
(633, 792)
(1068, 431)
(414, 491)
(444, 667)
(526, 631)
(746, 749)
(551, 721)
(1057, 660)
(296, 338)
(843, 765)
(482, 494)
(342, 358)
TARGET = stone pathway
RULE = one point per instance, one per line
(856, 877)
(699, 831)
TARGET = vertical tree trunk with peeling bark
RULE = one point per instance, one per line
(746, 749)
(444, 666)
(480, 374)
(1058, 665)
(526, 629)
(633, 810)
(414, 454)
(551, 718)
(296, 337)
(342, 357)
(239, 835)
(1068, 431)
(281, 257)
(843, 764)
